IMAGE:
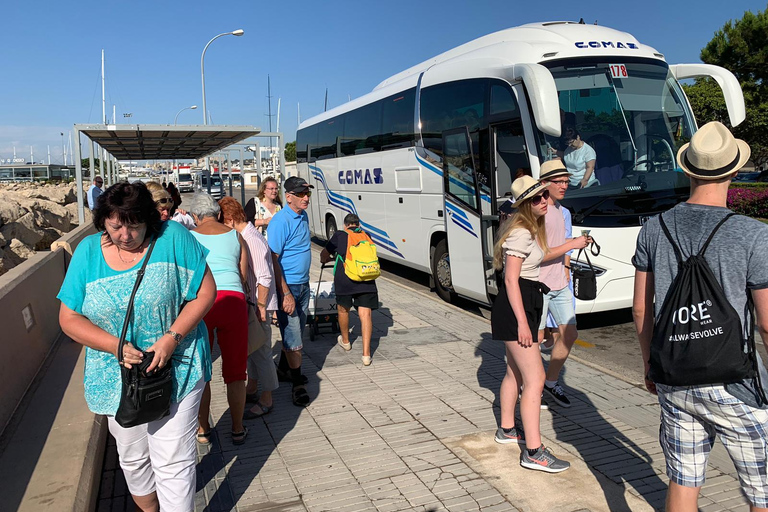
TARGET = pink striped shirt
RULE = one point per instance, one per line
(260, 270)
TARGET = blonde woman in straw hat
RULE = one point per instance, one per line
(519, 251)
(692, 415)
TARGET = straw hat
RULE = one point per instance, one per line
(525, 187)
(552, 169)
(713, 153)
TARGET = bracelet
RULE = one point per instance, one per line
(176, 336)
(261, 304)
(566, 266)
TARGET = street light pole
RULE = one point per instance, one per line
(193, 107)
(237, 32)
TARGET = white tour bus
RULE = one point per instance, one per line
(428, 156)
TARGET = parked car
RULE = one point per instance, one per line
(217, 188)
(186, 182)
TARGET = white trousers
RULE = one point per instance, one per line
(161, 455)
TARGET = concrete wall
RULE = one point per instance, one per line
(32, 285)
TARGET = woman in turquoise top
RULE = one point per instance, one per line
(228, 260)
(158, 459)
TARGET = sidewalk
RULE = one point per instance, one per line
(414, 431)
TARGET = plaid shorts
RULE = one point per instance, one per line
(691, 417)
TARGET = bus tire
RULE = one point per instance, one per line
(330, 227)
(441, 271)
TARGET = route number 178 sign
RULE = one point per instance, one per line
(618, 71)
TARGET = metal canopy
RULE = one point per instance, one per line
(164, 142)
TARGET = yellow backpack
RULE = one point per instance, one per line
(361, 262)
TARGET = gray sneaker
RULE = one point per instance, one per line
(543, 460)
(516, 435)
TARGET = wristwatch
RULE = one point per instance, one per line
(176, 336)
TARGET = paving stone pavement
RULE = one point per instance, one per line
(371, 438)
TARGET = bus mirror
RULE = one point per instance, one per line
(542, 92)
(734, 98)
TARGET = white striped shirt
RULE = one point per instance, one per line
(260, 270)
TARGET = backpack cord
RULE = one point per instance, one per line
(750, 311)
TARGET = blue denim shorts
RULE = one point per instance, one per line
(292, 326)
(560, 304)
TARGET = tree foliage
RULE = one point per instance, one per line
(741, 46)
(290, 152)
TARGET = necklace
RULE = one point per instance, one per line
(131, 261)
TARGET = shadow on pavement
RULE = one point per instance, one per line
(609, 453)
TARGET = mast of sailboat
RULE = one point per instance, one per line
(103, 95)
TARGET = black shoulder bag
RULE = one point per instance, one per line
(585, 280)
(144, 397)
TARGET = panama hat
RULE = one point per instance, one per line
(713, 153)
(525, 187)
(552, 169)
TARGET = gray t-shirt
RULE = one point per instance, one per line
(737, 255)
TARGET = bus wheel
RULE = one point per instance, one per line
(441, 270)
(330, 227)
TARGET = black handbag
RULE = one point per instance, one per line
(144, 397)
(584, 280)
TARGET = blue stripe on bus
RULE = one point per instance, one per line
(344, 203)
(463, 227)
(456, 182)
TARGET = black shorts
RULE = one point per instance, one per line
(503, 320)
(368, 300)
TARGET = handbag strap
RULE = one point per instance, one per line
(586, 253)
(129, 310)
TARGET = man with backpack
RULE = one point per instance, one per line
(705, 267)
(354, 280)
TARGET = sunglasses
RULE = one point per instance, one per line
(306, 193)
(164, 200)
(535, 200)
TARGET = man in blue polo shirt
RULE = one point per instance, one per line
(288, 238)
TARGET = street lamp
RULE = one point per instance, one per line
(238, 33)
(193, 107)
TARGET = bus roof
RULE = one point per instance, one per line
(531, 43)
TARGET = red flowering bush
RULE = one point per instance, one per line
(751, 201)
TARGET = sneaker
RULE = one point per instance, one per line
(543, 460)
(558, 395)
(366, 360)
(546, 349)
(345, 346)
(516, 435)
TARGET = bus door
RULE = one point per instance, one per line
(464, 216)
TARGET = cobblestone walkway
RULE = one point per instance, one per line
(374, 438)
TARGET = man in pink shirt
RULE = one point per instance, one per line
(556, 275)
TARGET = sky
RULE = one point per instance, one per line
(51, 57)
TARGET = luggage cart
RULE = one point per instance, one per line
(322, 306)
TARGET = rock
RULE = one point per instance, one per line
(10, 209)
(72, 212)
(18, 251)
(60, 194)
(24, 230)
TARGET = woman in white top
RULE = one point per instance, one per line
(579, 158)
(519, 251)
(267, 203)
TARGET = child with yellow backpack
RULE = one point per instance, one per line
(354, 280)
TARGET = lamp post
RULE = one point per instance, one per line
(193, 107)
(237, 32)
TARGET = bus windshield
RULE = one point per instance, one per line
(622, 124)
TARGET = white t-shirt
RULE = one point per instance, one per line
(521, 244)
(576, 162)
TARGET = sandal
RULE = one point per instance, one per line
(300, 397)
(238, 438)
(260, 410)
(204, 438)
